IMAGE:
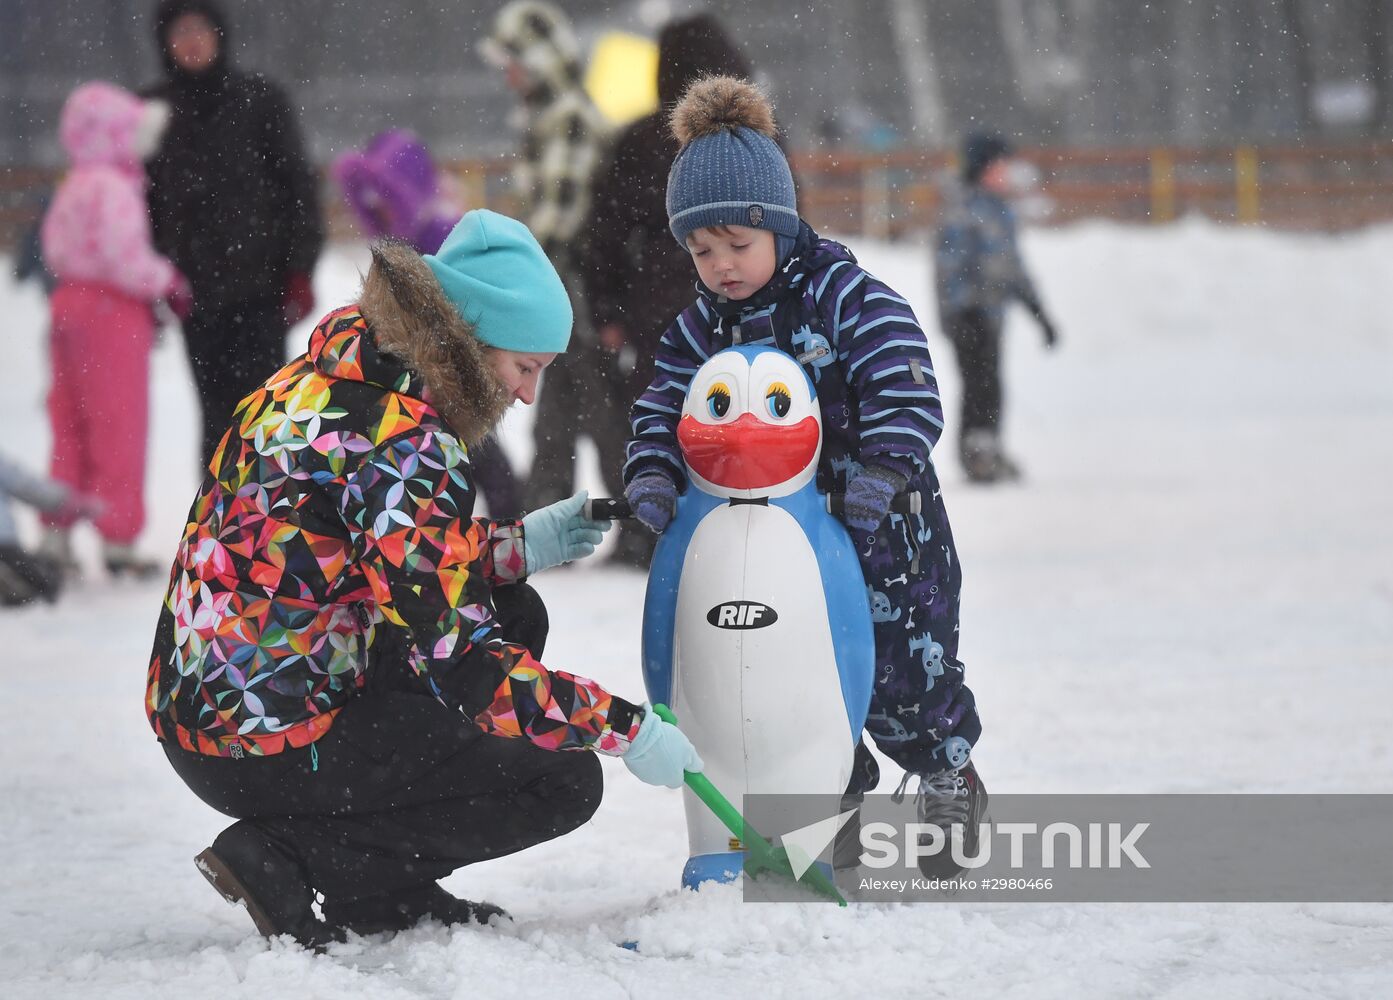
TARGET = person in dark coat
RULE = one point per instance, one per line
(29, 254)
(234, 203)
(979, 271)
(636, 278)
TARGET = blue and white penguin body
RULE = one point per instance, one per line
(757, 625)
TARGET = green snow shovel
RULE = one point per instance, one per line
(761, 856)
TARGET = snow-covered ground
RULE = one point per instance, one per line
(1192, 591)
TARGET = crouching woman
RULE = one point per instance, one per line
(347, 661)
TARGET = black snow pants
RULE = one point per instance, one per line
(232, 350)
(577, 400)
(402, 790)
(976, 338)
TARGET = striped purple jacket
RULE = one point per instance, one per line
(869, 359)
(862, 346)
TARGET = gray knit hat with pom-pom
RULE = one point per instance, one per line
(729, 170)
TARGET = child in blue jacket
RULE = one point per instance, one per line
(979, 271)
(766, 278)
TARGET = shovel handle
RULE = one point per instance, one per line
(606, 509)
(707, 792)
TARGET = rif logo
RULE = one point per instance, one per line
(742, 615)
(756, 214)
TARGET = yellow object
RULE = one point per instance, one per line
(1245, 169)
(623, 77)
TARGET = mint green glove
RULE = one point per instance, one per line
(559, 533)
(660, 754)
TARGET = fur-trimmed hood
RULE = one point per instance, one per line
(411, 319)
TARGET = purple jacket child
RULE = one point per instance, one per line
(394, 189)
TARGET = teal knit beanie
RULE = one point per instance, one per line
(495, 274)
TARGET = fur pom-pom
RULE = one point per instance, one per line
(721, 104)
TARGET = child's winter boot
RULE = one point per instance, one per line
(56, 546)
(26, 577)
(979, 456)
(1007, 468)
(122, 560)
(865, 775)
(946, 799)
(984, 461)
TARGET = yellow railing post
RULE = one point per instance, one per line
(1162, 185)
(1245, 176)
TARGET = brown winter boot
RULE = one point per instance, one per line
(247, 868)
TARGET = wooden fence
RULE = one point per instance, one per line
(1306, 187)
(896, 194)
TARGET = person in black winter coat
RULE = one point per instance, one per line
(234, 203)
(637, 279)
(29, 255)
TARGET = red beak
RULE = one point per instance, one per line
(748, 454)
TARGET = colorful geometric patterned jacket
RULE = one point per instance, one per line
(340, 503)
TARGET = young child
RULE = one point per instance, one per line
(96, 242)
(979, 270)
(766, 278)
(395, 189)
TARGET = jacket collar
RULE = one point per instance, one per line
(405, 336)
(342, 347)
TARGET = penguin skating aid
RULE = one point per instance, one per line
(757, 626)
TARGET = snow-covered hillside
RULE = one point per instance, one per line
(1192, 591)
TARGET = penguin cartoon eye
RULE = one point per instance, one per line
(718, 400)
(778, 399)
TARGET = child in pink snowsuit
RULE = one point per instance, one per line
(96, 241)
